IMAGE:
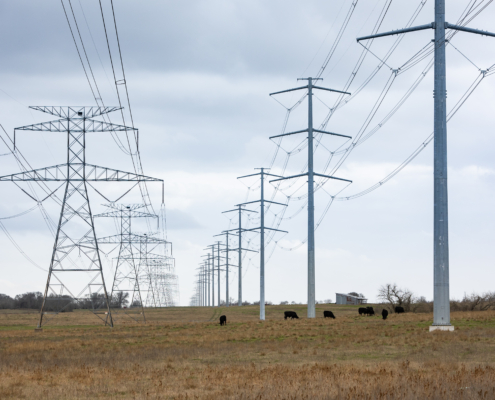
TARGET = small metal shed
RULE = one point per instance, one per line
(344, 298)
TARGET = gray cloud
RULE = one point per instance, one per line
(199, 74)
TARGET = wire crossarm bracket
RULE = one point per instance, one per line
(314, 130)
(266, 201)
(315, 174)
(427, 26)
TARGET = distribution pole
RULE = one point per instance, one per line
(310, 174)
(441, 286)
(239, 230)
(262, 234)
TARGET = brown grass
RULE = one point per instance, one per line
(178, 354)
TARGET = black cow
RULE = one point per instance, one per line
(399, 309)
(384, 314)
(290, 314)
(370, 311)
(223, 320)
(328, 314)
(363, 310)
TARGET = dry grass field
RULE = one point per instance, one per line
(183, 353)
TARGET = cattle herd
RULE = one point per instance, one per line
(329, 314)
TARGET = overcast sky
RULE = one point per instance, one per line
(199, 74)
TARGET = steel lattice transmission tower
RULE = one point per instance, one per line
(155, 272)
(126, 272)
(441, 278)
(76, 230)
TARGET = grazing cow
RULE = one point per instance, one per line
(370, 311)
(290, 314)
(384, 314)
(399, 309)
(223, 320)
(363, 310)
(328, 314)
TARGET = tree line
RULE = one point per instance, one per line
(393, 296)
(65, 303)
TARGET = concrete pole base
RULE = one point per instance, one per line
(449, 328)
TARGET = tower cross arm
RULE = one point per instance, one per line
(266, 201)
(330, 90)
(75, 125)
(75, 111)
(264, 173)
(242, 209)
(80, 172)
(132, 214)
(315, 174)
(288, 133)
(289, 177)
(271, 229)
(289, 90)
(398, 31)
(332, 177)
(132, 238)
(237, 249)
(332, 133)
(470, 30)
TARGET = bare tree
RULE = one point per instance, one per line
(120, 299)
(396, 296)
(476, 301)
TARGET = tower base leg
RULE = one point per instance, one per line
(448, 328)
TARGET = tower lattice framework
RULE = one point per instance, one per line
(76, 231)
(155, 272)
(126, 278)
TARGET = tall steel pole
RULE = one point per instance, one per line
(262, 248)
(213, 276)
(227, 300)
(262, 228)
(310, 174)
(239, 302)
(204, 285)
(208, 274)
(218, 271)
(441, 303)
(441, 296)
(311, 207)
(200, 288)
(239, 209)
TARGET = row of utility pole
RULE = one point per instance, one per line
(441, 284)
(204, 282)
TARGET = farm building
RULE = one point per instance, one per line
(344, 298)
